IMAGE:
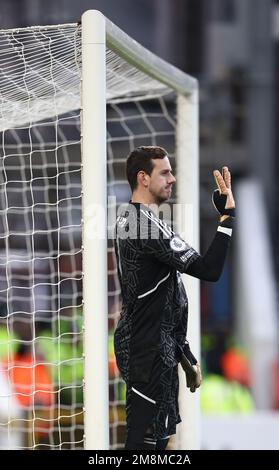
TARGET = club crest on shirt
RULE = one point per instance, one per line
(121, 221)
(177, 244)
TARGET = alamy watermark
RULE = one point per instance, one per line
(99, 222)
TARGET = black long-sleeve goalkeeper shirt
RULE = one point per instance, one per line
(154, 315)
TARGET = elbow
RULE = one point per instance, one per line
(213, 272)
(205, 271)
(212, 276)
(215, 278)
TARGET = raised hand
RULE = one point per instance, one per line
(223, 197)
(224, 185)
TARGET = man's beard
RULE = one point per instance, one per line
(159, 199)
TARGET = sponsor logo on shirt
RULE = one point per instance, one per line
(187, 255)
(177, 244)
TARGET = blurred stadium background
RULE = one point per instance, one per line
(232, 47)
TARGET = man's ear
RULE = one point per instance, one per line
(142, 178)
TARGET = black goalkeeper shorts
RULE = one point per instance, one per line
(152, 407)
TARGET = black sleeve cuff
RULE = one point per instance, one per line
(227, 223)
(188, 353)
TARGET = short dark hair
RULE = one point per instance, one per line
(140, 159)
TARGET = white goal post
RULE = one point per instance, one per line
(75, 100)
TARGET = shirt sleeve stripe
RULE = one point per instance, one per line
(227, 231)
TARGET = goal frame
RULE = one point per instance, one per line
(98, 33)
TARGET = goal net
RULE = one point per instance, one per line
(43, 273)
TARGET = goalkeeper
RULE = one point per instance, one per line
(150, 338)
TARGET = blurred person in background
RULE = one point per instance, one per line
(10, 409)
(227, 379)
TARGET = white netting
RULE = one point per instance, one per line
(41, 364)
(40, 284)
(40, 74)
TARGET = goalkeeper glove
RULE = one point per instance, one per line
(219, 201)
(191, 368)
